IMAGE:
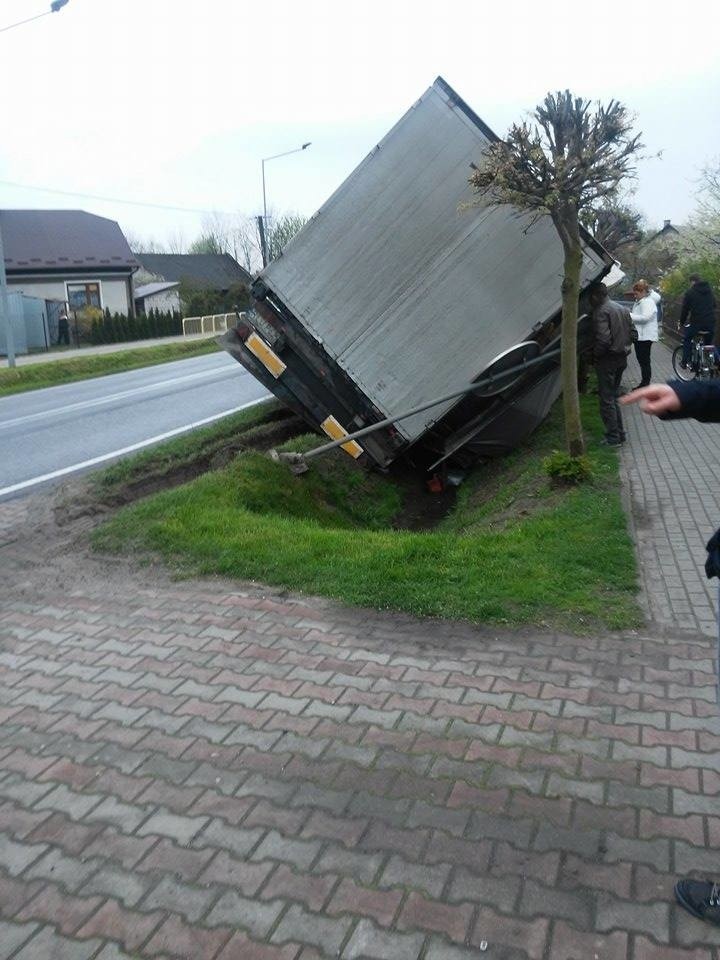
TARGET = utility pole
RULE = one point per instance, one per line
(265, 216)
(5, 322)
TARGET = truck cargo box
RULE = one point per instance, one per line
(397, 291)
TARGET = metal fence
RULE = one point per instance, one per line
(217, 323)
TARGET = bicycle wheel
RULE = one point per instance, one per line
(682, 373)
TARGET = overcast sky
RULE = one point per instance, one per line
(175, 102)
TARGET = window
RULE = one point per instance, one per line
(83, 295)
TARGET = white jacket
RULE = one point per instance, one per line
(644, 316)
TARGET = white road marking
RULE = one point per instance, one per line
(25, 484)
(99, 401)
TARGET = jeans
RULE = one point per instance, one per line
(608, 389)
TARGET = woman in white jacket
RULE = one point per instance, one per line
(645, 317)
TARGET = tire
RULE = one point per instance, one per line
(680, 373)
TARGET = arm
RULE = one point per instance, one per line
(677, 400)
(603, 333)
(685, 311)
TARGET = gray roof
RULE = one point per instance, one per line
(148, 289)
(38, 240)
(216, 270)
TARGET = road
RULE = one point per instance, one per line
(47, 435)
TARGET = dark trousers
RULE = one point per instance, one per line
(608, 390)
(642, 352)
(63, 333)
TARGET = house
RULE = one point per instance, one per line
(163, 296)
(211, 271)
(68, 257)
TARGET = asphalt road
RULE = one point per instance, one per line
(47, 435)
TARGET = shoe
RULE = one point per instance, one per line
(701, 898)
(612, 442)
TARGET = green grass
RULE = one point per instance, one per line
(50, 373)
(514, 550)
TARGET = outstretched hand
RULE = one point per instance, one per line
(657, 399)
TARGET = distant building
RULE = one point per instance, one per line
(163, 296)
(212, 271)
(68, 257)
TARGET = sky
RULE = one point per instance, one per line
(176, 102)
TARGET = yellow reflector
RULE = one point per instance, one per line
(335, 430)
(265, 355)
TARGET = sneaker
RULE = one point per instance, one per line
(701, 898)
(612, 442)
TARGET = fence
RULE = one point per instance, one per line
(217, 323)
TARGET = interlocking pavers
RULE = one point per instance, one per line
(212, 771)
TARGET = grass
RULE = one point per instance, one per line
(51, 373)
(514, 550)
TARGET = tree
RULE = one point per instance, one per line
(282, 232)
(613, 224)
(571, 159)
(206, 243)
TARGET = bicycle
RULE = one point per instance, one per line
(704, 360)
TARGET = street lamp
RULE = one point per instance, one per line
(4, 311)
(54, 7)
(265, 216)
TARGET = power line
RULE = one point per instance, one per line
(95, 196)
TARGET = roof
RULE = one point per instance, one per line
(63, 239)
(216, 270)
(148, 289)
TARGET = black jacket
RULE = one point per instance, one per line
(700, 400)
(698, 306)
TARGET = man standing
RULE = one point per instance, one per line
(612, 336)
(697, 314)
(63, 329)
(699, 399)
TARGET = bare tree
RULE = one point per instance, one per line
(282, 231)
(176, 242)
(614, 225)
(572, 157)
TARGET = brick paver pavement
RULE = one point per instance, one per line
(215, 771)
(671, 472)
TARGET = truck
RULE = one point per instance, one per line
(402, 288)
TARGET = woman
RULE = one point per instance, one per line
(645, 317)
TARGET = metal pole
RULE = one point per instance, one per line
(265, 216)
(5, 310)
(468, 388)
(262, 238)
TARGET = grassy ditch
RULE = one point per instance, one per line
(513, 549)
(51, 373)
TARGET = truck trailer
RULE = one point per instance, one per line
(402, 288)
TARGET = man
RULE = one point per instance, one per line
(697, 314)
(612, 335)
(63, 329)
(701, 401)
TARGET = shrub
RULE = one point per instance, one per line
(566, 470)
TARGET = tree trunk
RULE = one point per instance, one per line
(567, 227)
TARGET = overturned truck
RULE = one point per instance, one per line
(398, 291)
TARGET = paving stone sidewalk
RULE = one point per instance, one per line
(211, 771)
(672, 472)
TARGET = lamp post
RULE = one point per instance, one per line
(55, 6)
(275, 156)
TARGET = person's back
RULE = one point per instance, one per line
(698, 307)
(613, 333)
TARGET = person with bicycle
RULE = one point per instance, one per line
(700, 400)
(697, 315)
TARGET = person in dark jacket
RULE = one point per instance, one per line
(701, 401)
(612, 336)
(697, 314)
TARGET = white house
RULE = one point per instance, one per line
(68, 257)
(163, 296)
